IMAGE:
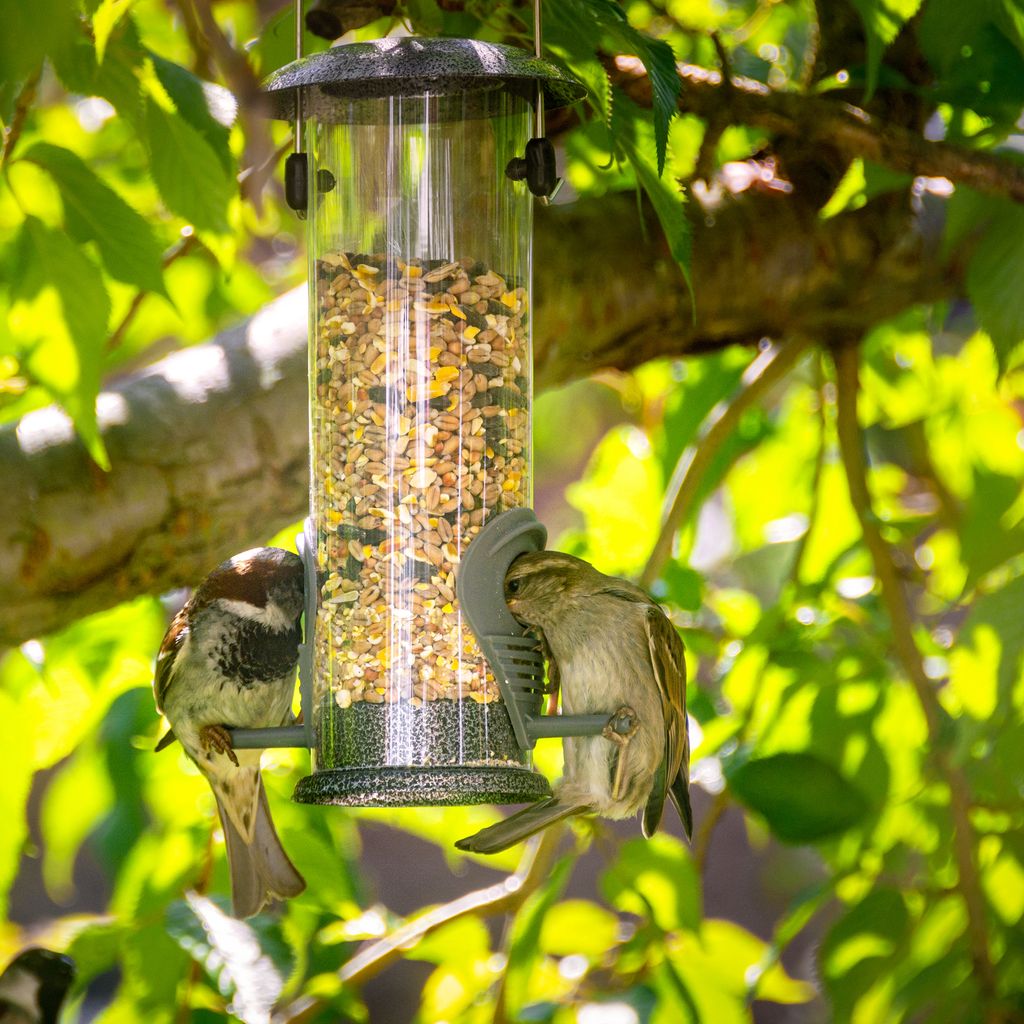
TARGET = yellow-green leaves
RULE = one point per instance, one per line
(94, 212)
(59, 317)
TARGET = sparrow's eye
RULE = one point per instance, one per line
(513, 586)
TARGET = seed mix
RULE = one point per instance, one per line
(420, 432)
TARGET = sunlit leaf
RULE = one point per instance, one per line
(995, 229)
(861, 945)
(187, 170)
(16, 742)
(210, 109)
(79, 796)
(105, 19)
(655, 878)
(863, 181)
(60, 314)
(232, 952)
(523, 949)
(95, 212)
(578, 927)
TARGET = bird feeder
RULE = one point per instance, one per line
(417, 168)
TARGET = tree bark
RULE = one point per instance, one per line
(209, 446)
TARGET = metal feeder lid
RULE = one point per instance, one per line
(411, 66)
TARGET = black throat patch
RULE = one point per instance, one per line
(254, 654)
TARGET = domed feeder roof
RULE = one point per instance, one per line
(411, 67)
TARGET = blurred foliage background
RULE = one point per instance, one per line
(835, 523)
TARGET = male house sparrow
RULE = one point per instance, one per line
(228, 661)
(33, 986)
(612, 649)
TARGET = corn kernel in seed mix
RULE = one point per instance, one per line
(417, 439)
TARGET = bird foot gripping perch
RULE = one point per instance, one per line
(621, 729)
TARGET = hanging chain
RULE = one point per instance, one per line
(537, 47)
(299, 141)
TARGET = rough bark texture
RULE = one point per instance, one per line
(208, 452)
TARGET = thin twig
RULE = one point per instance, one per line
(702, 840)
(503, 897)
(22, 106)
(796, 567)
(897, 605)
(183, 248)
(714, 129)
(762, 374)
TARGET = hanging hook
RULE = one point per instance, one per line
(537, 168)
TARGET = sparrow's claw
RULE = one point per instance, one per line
(216, 737)
(621, 728)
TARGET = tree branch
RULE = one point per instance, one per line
(819, 121)
(897, 605)
(22, 106)
(760, 377)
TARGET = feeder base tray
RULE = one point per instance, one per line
(421, 787)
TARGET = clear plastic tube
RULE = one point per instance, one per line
(420, 276)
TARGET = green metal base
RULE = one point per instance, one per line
(421, 787)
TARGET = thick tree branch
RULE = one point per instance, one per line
(209, 446)
(819, 121)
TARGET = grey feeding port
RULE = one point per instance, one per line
(513, 655)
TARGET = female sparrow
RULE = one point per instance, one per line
(613, 650)
(228, 661)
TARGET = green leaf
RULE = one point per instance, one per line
(115, 79)
(863, 181)
(993, 229)
(860, 947)
(232, 952)
(60, 314)
(29, 32)
(993, 531)
(95, 212)
(883, 20)
(526, 931)
(589, 20)
(655, 878)
(75, 801)
(578, 927)
(187, 170)
(105, 19)
(987, 664)
(802, 798)
(16, 743)
(667, 197)
(209, 108)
